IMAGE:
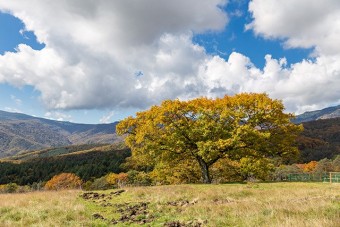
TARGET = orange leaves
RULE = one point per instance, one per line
(64, 181)
(308, 167)
(117, 179)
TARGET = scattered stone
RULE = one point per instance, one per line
(92, 195)
(98, 216)
(174, 224)
(133, 213)
(223, 201)
(182, 203)
(117, 192)
(195, 223)
(194, 201)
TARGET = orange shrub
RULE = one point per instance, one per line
(63, 181)
(310, 166)
(117, 179)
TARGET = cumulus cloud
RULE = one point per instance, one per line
(94, 49)
(303, 23)
(132, 54)
(302, 86)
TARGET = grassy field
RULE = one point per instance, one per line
(263, 204)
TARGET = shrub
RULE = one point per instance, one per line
(63, 181)
(98, 184)
(118, 180)
(138, 178)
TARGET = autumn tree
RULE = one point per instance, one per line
(63, 181)
(205, 130)
(117, 179)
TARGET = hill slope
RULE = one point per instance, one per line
(327, 113)
(87, 161)
(20, 132)
(320, 139)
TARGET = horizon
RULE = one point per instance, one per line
(91, 63)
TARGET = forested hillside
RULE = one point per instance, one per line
(20, 132)
(320, 139)
(42, 165)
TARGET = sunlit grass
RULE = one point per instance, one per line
(263, 204)
(50, 208)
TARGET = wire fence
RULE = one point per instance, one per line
(331, 177)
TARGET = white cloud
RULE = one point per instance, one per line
(58, 116)
(107, 118)
(13, 110)
(303, 23)
(94, 49)
(16, 100)
(132, 54)
(302, 86)
(306, 85)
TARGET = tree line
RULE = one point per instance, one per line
(87, 165)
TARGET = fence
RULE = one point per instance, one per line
(332, 177)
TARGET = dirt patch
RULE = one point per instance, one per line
(223, 201)
(98, 216)
(97, 196)
(117, 192)
(195, 223)
(182, 203)
(92, 196)
(133, 213)
(136, 213)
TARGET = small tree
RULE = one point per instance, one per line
(118, 180)
(206, 130)
(256, 168)
(336, 164)
(324, 165)
(63, 181)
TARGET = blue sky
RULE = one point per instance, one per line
(100, 62)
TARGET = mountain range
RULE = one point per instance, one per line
(21, 132)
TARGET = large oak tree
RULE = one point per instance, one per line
(206, 130)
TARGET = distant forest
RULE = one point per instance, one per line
(87, 165)
(320, 139)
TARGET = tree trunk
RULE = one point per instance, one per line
(204, 170)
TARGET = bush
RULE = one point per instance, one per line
(64, 181)
(137, 178)
(118, 180)
(9, 188)
(98, 184)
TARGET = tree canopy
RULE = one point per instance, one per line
(205, 130)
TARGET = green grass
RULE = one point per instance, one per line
(263, 204)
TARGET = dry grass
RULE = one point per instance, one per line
(43, 209)
(264, 204)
